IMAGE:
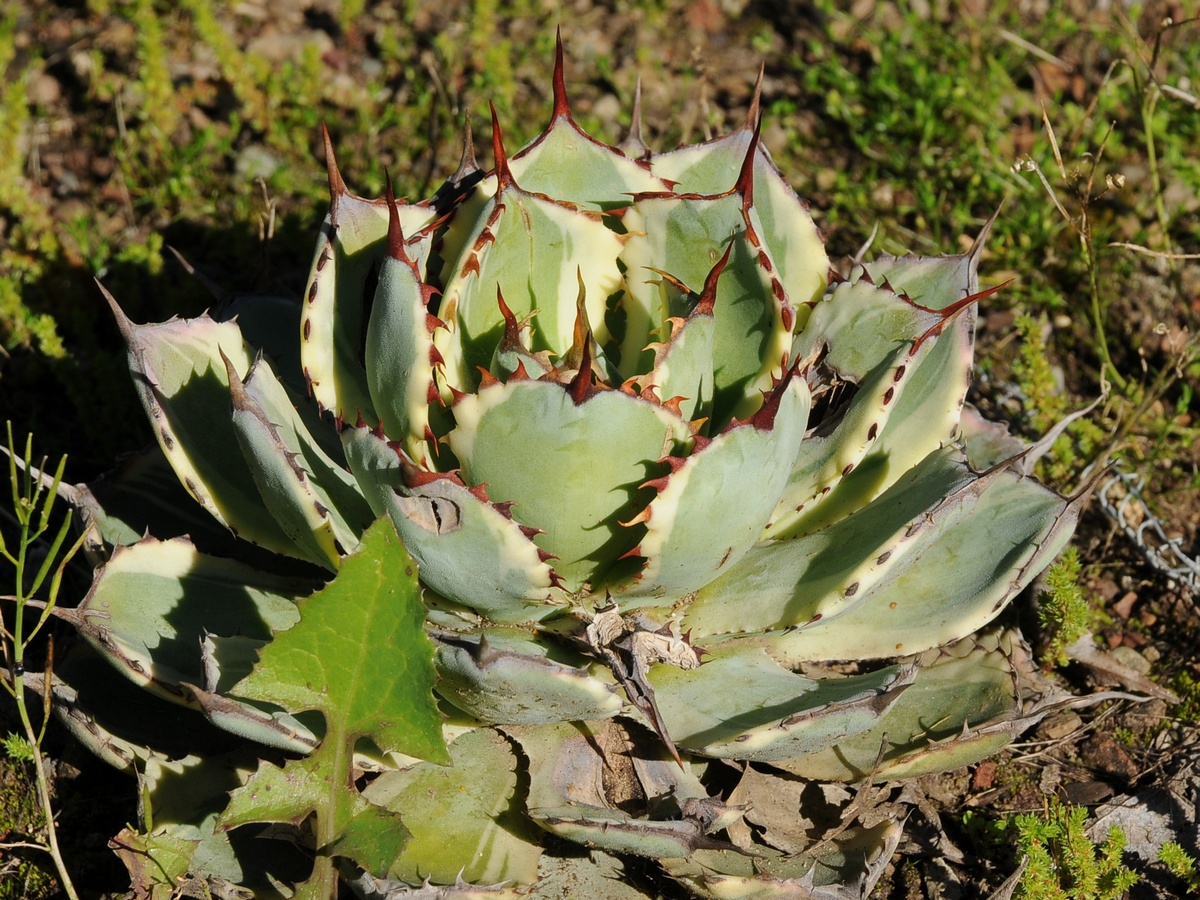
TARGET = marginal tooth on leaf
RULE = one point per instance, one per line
(634, 145)
(359, 421)
(520, 373)
(435, 356)
(658, 485)
(708, 296)
(529, 531)
(479, 491)
(512, 328)
(764, 419)
(504, 176)
(645, 514)
(674, 404)
(486, 378)
(674, 462)
(378, 429)
(337, 187)
(562, 108)
(632, 554)
(745, 182)
(949, 312)
(580, 387)
(753, 115)
(395, 236)
(546, 556)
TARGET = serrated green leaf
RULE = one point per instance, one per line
(358, 655)
(465, 818)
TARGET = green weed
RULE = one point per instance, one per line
(1063, 609)
(1182, 865)
(1064, 863)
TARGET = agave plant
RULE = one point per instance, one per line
(693, 522)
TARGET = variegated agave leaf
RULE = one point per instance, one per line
(658, 471)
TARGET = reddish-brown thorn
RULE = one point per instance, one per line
(708, 296)
(745, 182)
(395, 237)
(764, 419)
(562, 108)
(675, 463)
(949, 312)
(337, 187)
(378, 430)
(360, 422)
(486, 378)
(658, 485)
(631, 554)
(512, 329)
(753, 115)
(504, 176)
(580, 387)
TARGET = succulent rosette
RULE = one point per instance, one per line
(692, 514)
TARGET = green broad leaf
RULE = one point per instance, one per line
(978, 547)
(792, 238)
(683, 365)
(467, 549)
(926, 408)
(183, 385)
(573, 764)
(685, 237)
(592, 873)
(705, 709)
(466, 818)
(568, 165)
(535, 447)
(359, 655)
(184, 797)
(399, 348)
(683, 552)
(788, 583)
(351, 246)
(314, 499)
(509, 676)
(536, 253)
(960, 708)
(871, 338)
(119, 721)
(150, 606)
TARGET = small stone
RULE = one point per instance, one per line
(1059, 725)
(44, 90)
(1124, 606)
(1102, 753)
(984, 776)
(1127, 656)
